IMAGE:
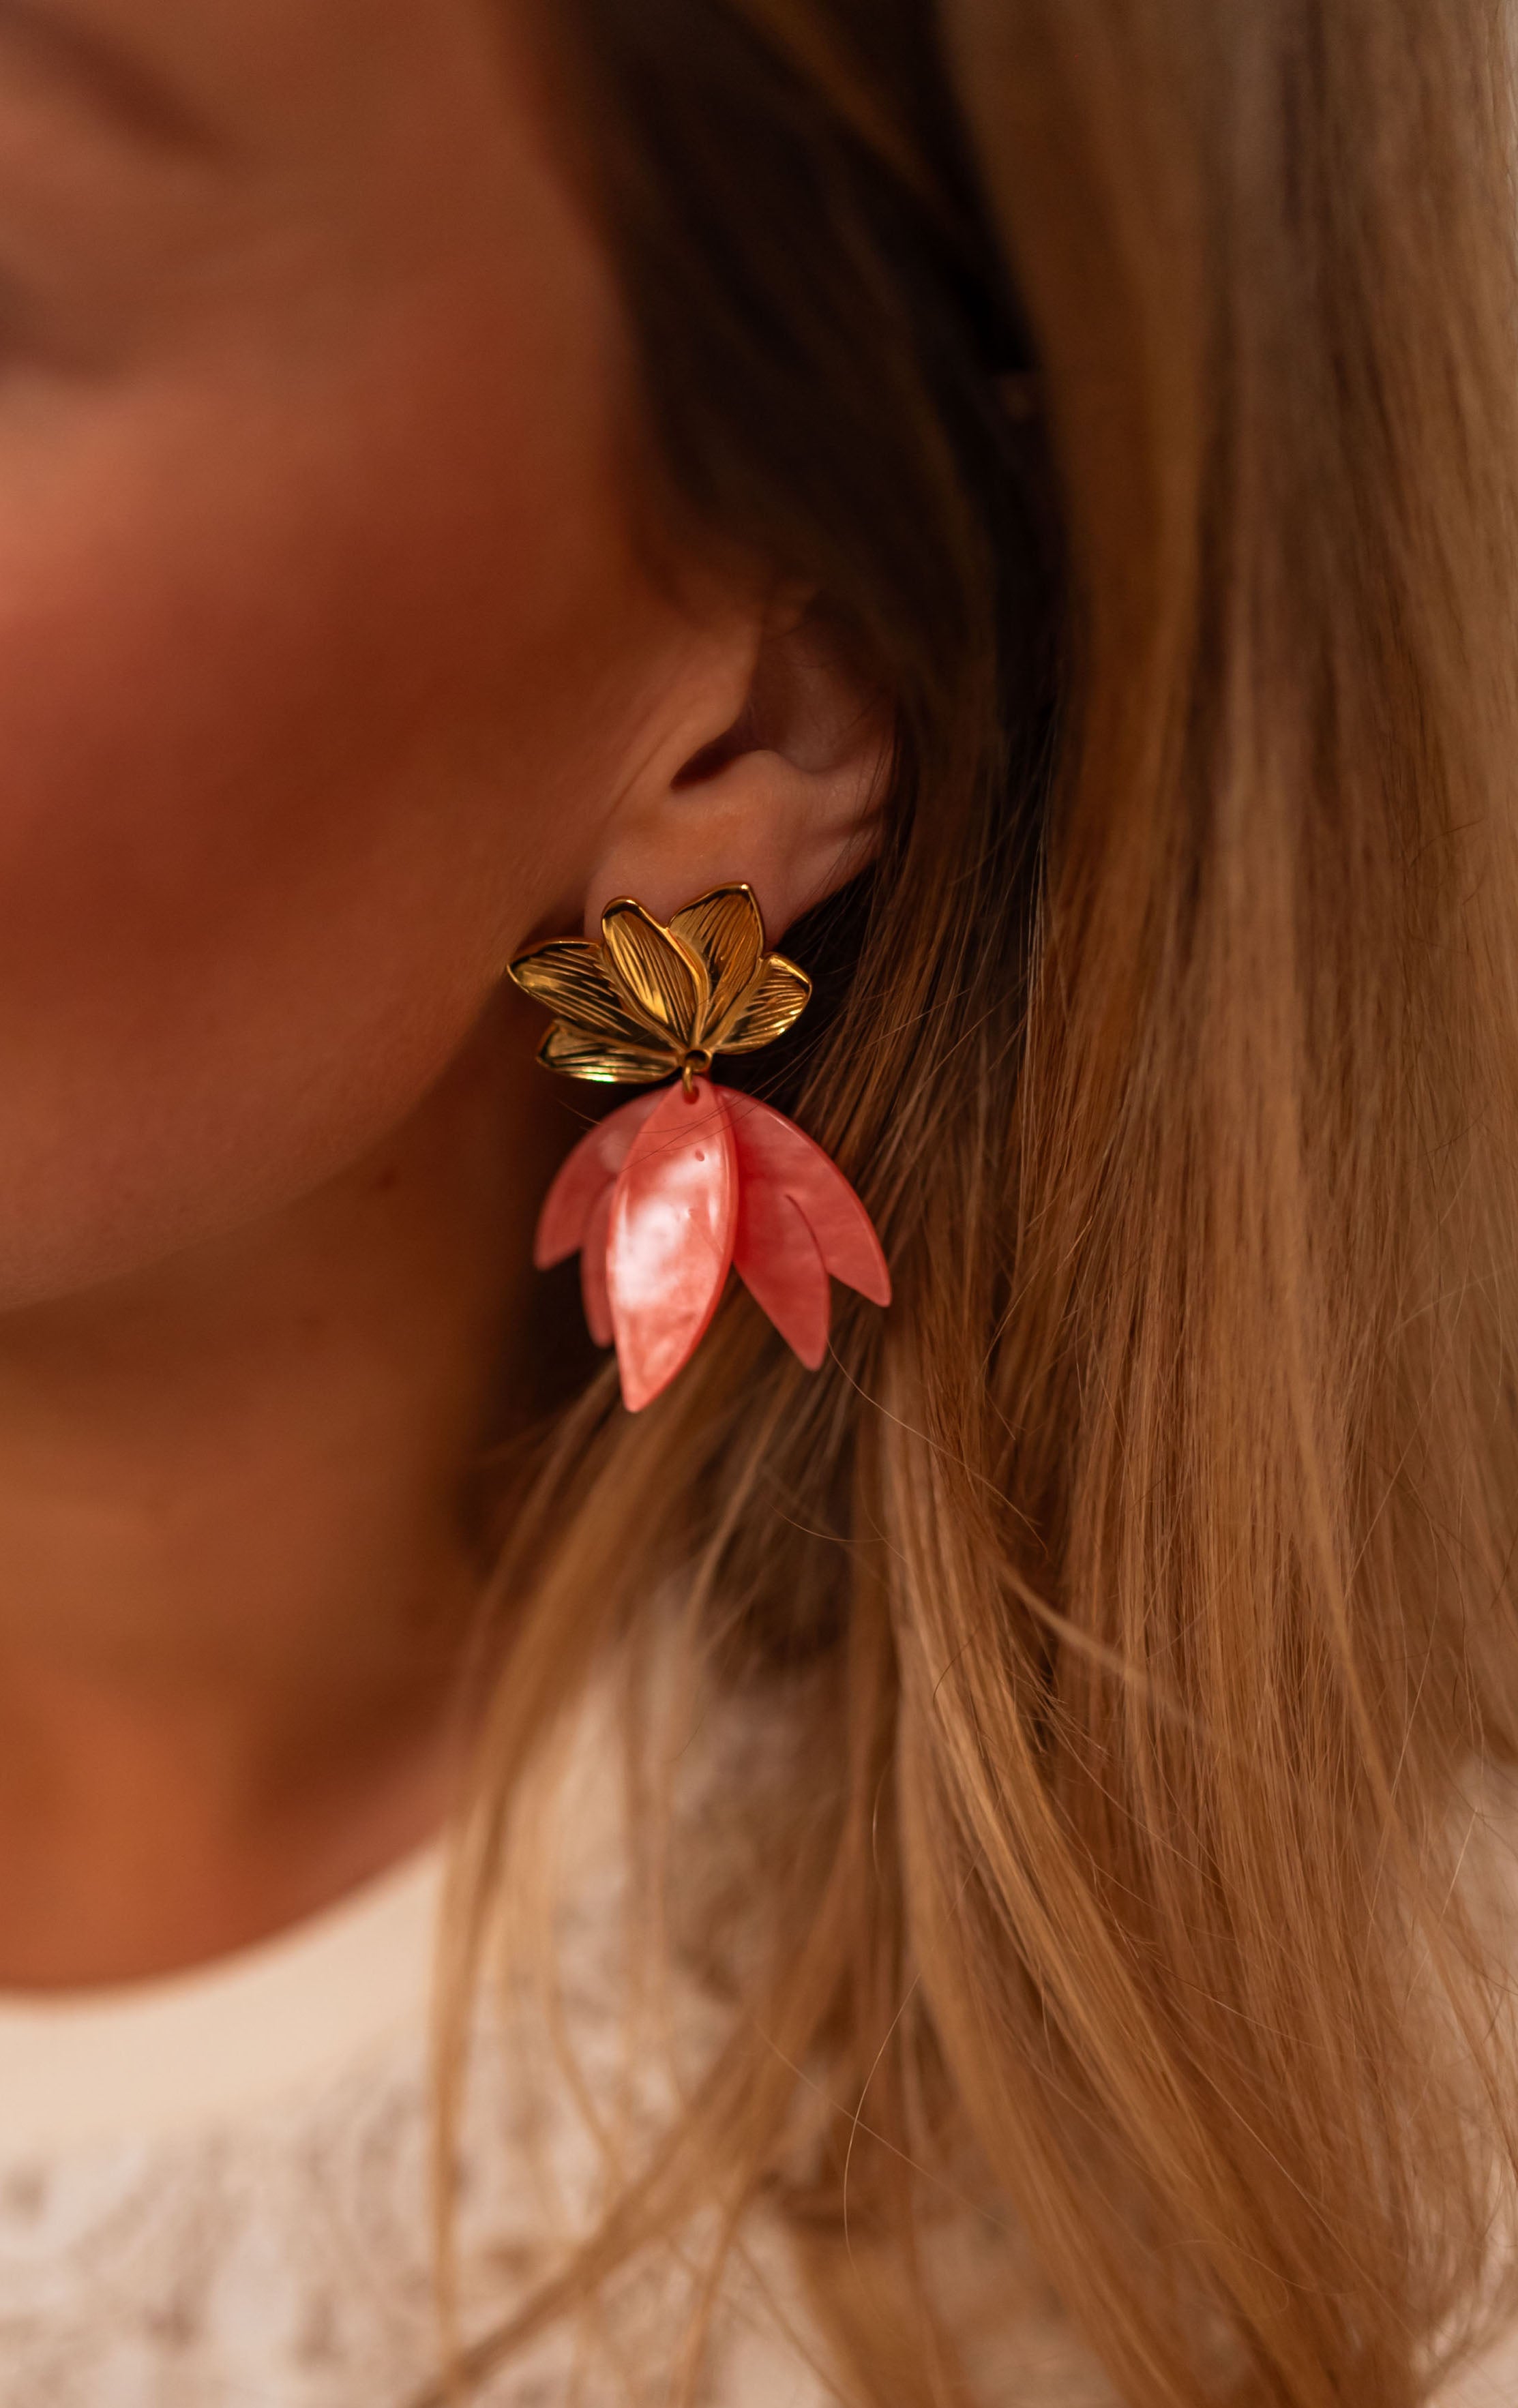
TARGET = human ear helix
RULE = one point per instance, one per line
(672, 1191)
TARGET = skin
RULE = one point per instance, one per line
(330, 675)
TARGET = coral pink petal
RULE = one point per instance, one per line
(774, 1152)
(776, 1257)
(674, 1218)
(593, 1288)
(584, 1178)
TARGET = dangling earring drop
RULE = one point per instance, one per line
(674, 1190)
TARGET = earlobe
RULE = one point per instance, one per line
(784, 797)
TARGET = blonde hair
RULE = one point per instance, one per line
(1135, 1593)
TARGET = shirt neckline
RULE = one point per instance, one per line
(211, 2044)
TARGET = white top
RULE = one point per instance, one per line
(213, 2194)
(215, 2191)
(223, 2042)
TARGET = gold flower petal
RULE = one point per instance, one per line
(580, 1054)
(571, 978)
(779, 997)
(725, 933)
(659, 977)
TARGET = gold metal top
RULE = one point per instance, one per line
(653, 1002)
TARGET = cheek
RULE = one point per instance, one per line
(309, 703)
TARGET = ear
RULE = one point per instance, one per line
(781, 789)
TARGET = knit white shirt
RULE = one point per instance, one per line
(214, 2192)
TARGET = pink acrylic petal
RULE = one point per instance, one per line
(772, 1150)
(585, 1176)
(593, 1288)
(776, 1257)
(675, 1217)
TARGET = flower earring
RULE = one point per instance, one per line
(674, 1190)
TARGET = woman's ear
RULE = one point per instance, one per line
(784, 794)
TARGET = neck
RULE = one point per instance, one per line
(235, 1575)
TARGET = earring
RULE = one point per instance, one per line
(674, 1190)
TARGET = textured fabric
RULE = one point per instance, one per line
(214, 2192)
(283, 2259)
